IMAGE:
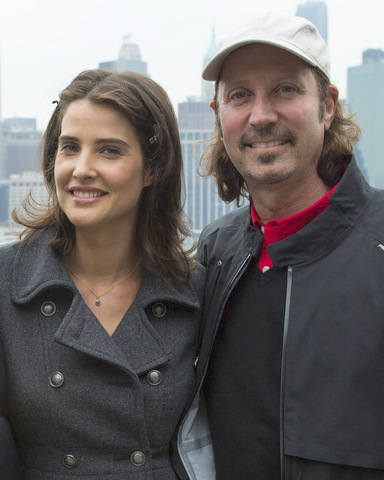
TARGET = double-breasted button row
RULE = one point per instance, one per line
(48, 309)
(154, 377)
(159, 309)
(137, 458)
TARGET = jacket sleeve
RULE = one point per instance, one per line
(9, 461)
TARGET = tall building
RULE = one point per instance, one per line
(129, 59)
(195, 114)
(21, 184)
(19, 142)
(4, 200)
(196, 124)
(316, 12)
(366, 97)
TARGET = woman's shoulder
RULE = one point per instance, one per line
(8, 251)
(197, 278)
(198, 271)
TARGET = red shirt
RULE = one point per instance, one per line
(276, 230)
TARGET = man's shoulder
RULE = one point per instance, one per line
(372, 222)
(233, 220)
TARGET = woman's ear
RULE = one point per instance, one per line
(148, 176)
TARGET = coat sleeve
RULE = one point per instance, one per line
(9, 461)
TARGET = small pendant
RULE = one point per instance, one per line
(98, 303)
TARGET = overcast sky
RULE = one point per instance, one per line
(46, 43)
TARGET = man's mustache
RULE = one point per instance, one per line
(266, 135)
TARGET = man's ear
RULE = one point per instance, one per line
(212, 104)
(330, 106)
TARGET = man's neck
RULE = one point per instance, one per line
(275, 202)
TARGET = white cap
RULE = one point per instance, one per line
(293, 34)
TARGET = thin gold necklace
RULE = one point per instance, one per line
(98, 302)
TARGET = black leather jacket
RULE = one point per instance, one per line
(332, 379)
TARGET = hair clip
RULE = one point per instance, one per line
(157, 138)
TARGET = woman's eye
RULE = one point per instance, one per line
(111, 151)
(69, 148)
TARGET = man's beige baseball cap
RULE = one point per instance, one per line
(293, 34)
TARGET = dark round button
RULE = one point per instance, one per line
(56, 379)
(154, 377)
(69, 461)
(48, 309)
(159, 309)
(138, 459)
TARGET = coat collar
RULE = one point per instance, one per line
(347, 204)
(38, 268)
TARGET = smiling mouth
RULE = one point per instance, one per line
(274, 143)
(80, 194)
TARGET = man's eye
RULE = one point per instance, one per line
(287, 89)
(238, 95)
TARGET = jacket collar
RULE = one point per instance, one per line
(347, 204)
(38, 268)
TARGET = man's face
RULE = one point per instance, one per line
(271, 117)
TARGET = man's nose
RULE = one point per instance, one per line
(263, 112)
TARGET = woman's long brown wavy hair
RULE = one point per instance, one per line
(339, 141)
(161, 229)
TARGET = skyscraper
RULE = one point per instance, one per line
(316, 12)
(21, 184)
(366, 97)
(19, 142)
(129, 59)
(196, 123)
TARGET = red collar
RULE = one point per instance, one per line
(276, 230)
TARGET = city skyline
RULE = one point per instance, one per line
(44, 46)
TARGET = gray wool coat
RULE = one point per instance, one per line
(82, 404)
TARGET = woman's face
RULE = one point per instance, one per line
(99, 168)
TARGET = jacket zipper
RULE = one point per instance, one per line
(282, 380)
(227, 293)
(230, 286)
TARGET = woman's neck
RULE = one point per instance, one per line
(103, 256)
